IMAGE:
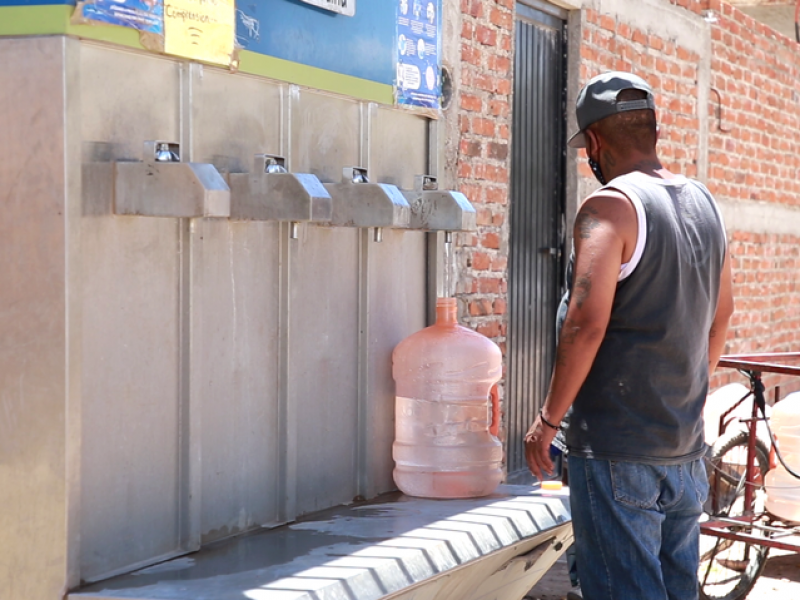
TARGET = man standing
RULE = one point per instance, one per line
(645, 325)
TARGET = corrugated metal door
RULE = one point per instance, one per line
(537, 211)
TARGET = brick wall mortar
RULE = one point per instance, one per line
(753, 144)
(484, 162)
(752, 153)
(753, 148)
(610, 43)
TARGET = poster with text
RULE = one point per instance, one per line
(144, 15)
(200, 29)
(419, 78)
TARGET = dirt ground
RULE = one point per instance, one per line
(779, 581)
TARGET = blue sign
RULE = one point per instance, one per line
(361, 46)
(419, 68)
(343, 7)
(144, 15)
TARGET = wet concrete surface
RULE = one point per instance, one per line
(367, 550)
(779, 581)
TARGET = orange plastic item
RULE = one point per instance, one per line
(445, 444)
(552, 485)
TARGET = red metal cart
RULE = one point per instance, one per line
(737, 531)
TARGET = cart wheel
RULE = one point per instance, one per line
(729, 569)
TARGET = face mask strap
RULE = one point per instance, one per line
(598, 173)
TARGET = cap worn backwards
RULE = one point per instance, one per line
(598, 100)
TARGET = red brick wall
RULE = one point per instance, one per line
(766, 277)
(483, 163)
(754, 146)
(608, 42)
(753, 121)
(754, 149)
(754, 154)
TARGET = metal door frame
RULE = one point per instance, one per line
(531, 347)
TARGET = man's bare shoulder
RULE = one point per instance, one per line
(607, 208)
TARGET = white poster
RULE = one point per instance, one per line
(343, 7)
(418, 50)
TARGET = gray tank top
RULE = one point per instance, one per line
(643, 398)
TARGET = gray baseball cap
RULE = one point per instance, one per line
(598, 100)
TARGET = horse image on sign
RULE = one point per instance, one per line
(343, 7)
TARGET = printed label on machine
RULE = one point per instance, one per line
(343, 7)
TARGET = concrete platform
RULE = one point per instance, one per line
(493, 548)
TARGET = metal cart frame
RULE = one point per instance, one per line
(750, 526)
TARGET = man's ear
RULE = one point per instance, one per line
(658, 132)
(592, 142)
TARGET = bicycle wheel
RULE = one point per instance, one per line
(729, 569)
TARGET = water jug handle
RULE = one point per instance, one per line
(494, 428)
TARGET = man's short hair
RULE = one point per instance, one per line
(633, 130)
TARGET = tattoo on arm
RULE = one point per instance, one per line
(569, 331)
(583, 286)
(586, 221)
(712, 332)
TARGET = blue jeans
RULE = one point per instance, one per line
(636, 528)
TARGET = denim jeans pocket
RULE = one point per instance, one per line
(635, 484)
(700, 479)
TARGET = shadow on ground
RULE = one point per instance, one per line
(784, 566)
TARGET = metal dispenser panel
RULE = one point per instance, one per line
(236, 327)
(162, 186)
(235, 372)
(396, 283)
(129, 290)
(394, 154)
(433, 209)
(359, 203)
(322, 375)
(130, 402)
(39, 361)
(271, 193)
(324, 133)
(234, 118)
(211, 361)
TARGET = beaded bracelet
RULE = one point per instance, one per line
(548, 423)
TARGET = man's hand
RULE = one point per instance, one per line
(537, 448)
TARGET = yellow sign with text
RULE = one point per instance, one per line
(200, 29)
